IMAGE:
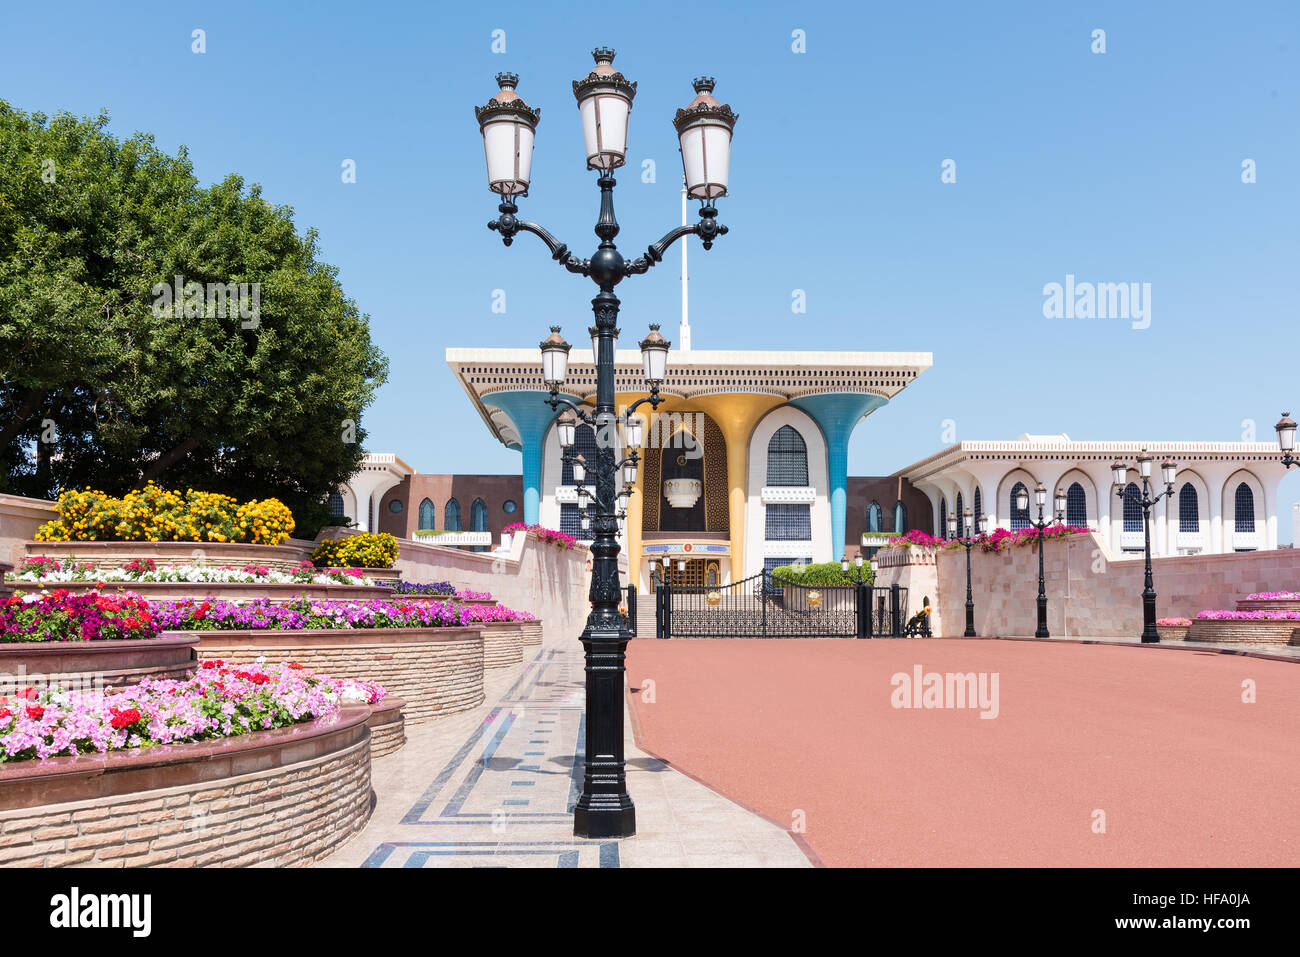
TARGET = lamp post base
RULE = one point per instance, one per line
(612, 818)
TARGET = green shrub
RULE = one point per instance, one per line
(821, 574)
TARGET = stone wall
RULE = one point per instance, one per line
(435, 671)
(549, 582)
(1091, 593)
(19, 519)
(285, 797)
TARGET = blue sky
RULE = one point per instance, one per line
(1116, 167)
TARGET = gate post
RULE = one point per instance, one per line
(896, 625)
(665, 617)
(862, 595)
(631, 609)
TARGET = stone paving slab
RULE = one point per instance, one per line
(495, 787)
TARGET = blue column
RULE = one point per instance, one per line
(838, 414)
(531, 417)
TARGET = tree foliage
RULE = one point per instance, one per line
(102, 387)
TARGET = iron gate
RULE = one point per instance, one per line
(765, 607)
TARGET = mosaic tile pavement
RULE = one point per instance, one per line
(495, 787)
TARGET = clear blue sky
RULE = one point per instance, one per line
(1118, 167)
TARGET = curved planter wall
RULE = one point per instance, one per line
(225, 591)
(502, 644)
(387, 726)
(434, 670)
(1255, 632)
(530, 632)
(280, 558)
(88, 665)
(283, 797)
(1265, 604)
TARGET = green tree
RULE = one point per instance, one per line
(93, 235)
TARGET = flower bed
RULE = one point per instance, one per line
(1270, 600)
(1272, 626)
(46, 570)
(424, 589)
(327, 614)
(994, 541)
(153, 514)
(283, 797)
(547, 535)
(435, 670)
(108, 555)
(62, 616)
(367, 550)
(215, 702)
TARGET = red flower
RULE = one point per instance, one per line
(36, 712)
(295, 666)
(28, 693)
(5, 713)
(124, 718)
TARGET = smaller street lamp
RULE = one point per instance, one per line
(978, 527)
(1040, 499)
(1145, 500)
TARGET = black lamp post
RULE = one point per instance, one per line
(858, 566)
(1119, 472)
(1286, 441)
(704, 131)
(1022, 503)
(968, 541)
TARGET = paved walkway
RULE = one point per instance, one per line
(495, 787)
(1099, 755)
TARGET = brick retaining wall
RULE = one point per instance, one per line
(1257, 632)
(435, 670)
(502, 644)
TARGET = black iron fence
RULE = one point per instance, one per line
(765, 607)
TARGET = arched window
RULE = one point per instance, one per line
(336, 504)
(478, 516)
(943, 518)
(451, 516)
(1245, 509)
(1076, 506)
(1132, 510)
(979, 506)
(961, 517)
(875, 518)
(1189, 509)
(426, 513)
(787, 458)
(1019, 517)
(900, 518)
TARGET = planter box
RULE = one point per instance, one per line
(225, 591)
(1253, 632)
(284, 797)
(502, 644)
(1172, 632)
(386, 575)
(91, 665)
(387, 726)
(1279, 604)
(530, 632)
(436, 671)
(280, 558)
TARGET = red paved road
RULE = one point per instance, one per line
(1159, 739)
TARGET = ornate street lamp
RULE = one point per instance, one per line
(704, 130)
(1169, 473)
(1022, 503)
(858, 566)
(977, 525)
(1286, 441)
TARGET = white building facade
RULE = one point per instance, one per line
(1225, 498)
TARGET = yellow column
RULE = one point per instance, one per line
(736, 415)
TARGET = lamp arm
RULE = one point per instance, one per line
(708, 229)
(555, 401)
(654, 398)
(508, 226)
